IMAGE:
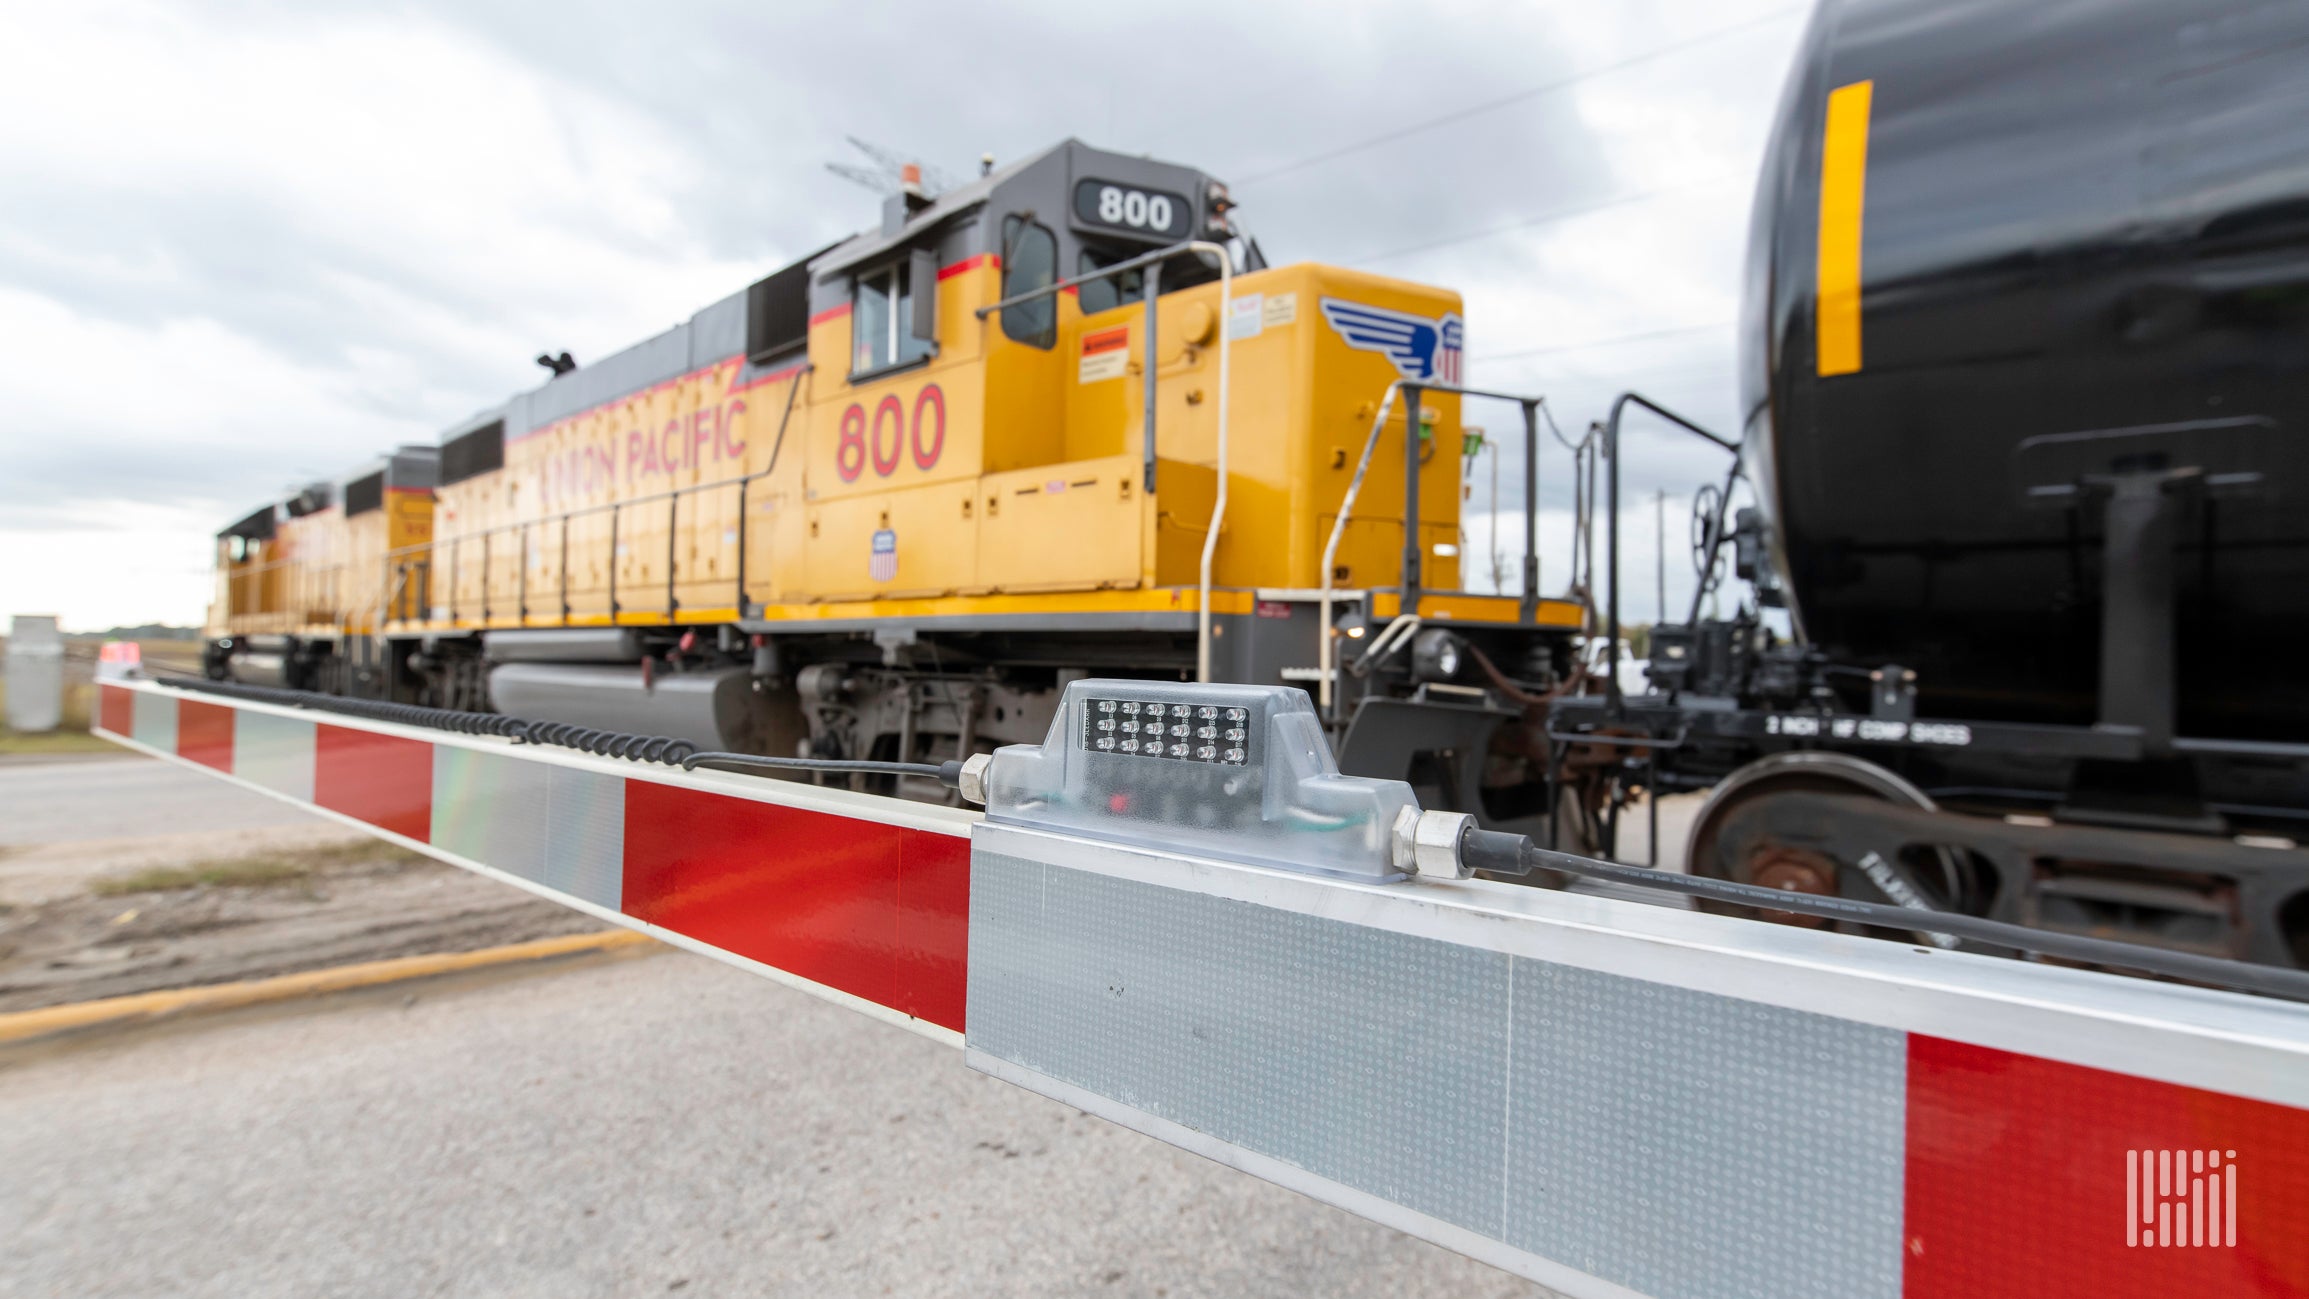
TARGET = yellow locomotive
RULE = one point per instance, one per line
(887, 501)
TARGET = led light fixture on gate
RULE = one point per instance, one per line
(1242, 773)
(1189, 732)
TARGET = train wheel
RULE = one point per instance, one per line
(1941, 878)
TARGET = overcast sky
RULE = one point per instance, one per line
(243, 245)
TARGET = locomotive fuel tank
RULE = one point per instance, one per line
(2008, 263)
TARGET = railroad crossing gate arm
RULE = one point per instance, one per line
(1241, 954)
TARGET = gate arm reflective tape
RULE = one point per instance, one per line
(1607, 1097)
(860, 899)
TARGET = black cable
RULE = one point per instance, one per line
(439, 719)
(1515, 854)
(947, 773)
(607, 744)
(1550, 217)
(1613, 341)
(585, 739)
(1559, 83)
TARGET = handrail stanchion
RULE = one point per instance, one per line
(613, 563)
(1154, 280)
(744, 483)
(1530, 609)
(1218, 506)
(1412, 395)
(1327, 654)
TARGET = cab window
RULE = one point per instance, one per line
(1029, 262)
(1114, 290)
(879, 312)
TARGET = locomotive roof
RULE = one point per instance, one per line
(412, 464)
(718, 332)
(1040, 186)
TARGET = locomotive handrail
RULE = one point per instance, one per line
(1153, 261)
(1218, 506)
(1326, 654)
(1155, 257)
(1326, 650)
(295, 572)
(1613, 699)
(422, 550)
(671, 497)
(478, 533)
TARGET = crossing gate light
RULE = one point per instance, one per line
(1238, 773)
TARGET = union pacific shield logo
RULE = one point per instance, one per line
(882, 564)
(1422, 348)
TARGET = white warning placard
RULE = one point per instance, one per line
(1246, 316)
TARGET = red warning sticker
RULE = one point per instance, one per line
(1105, 354)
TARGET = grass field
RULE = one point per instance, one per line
(256, 871)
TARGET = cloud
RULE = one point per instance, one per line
(110, 563)
(245, 244)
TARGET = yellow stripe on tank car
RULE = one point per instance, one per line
(1843, 195)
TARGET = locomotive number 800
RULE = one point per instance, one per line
(1146, 212)
(884, 438)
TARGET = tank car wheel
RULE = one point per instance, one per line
(1802, 869)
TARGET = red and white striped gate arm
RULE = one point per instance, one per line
(860, 899)
(1610, 1098)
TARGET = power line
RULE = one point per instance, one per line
(1613, 341)
(1534, 92)
(1717, 378)
(1548, 218)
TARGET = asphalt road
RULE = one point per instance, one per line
(651, 1126)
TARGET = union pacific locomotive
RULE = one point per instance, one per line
(887, 501)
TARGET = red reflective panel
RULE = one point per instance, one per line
(204, 734)
(811, 893)
(934, 927)
(2024, 1178)
(385, 780)
(116, 709)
